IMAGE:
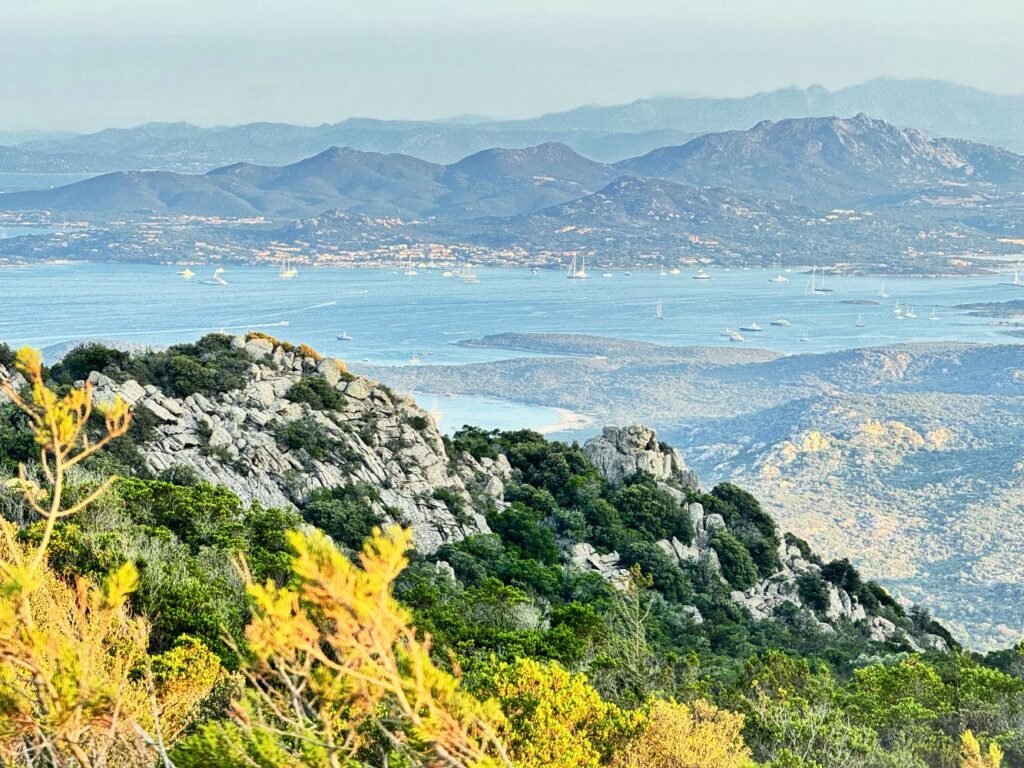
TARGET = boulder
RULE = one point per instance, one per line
(621, 452)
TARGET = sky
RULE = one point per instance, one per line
(84, 65)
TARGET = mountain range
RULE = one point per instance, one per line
(605, 133)
(820, 162)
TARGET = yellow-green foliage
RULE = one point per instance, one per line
(76, 684)
(338, 672)
(673, 735)
(555, 719)
(972, 755)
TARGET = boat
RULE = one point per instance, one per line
(658, 311)
(607, 274)
(187, 273)
(435, 412)
(467, 275)
(409, 271)
(933, 315)
(909, 312)
(736, 337)
(343, 336)
(780, 279)
(897, 310)
(216, 278)
(881, 293)
(752, 328)
(534, 271)
(675, 271)
(780, 322)
(701, 275)
(813, 286)
(662, 273)
(804, 337)
(578, 273)
(287, 272)
(414, 360)
(447, 273)
(860, 322)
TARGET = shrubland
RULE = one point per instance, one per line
(161, 621)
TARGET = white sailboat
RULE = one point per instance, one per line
(897, 310)
(909, 312)
(435, 412)
(933, 315)
(578, 273)
(860, 321)
(343, 336)
(287, 272)
(881, 293)
(414, 360)
(658, 311)
(466, 274)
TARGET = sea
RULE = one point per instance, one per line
(395, 319)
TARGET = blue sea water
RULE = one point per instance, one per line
(393, 318)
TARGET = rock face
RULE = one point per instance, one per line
(621, 452)
(375, 437)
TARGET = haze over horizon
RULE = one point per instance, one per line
(219, 62)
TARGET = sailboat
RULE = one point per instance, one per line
(187, 273)
(881, 293)
(466, 274)
(435, 412)
(909, 312)
(701, 275)
(897, 310)
(409, 271)
(663, 273)
(860, 321)
(581, 272)
(216, 279)
(815, 286)
(933, 315)
(287, 272)
(658, 312)
(343, 336)
(414, 360)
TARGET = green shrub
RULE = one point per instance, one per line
(813, 592)
(737, 566)
(317, 393)
(344, 513)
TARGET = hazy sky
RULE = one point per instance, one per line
(89, 64)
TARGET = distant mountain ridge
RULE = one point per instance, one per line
(827, 160)
(817, 162)
(604, 133)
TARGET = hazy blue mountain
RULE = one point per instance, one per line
(491, 183)
(827, 161)
(938, 107)
(603, 133)
(816, 162)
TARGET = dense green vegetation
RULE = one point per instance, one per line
(508, 610)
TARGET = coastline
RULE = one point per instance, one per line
(568, 421)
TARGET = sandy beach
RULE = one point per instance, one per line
(568, 421)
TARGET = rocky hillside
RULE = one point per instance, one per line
(276, 423)
(258, 441)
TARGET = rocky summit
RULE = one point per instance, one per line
(374, 437)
